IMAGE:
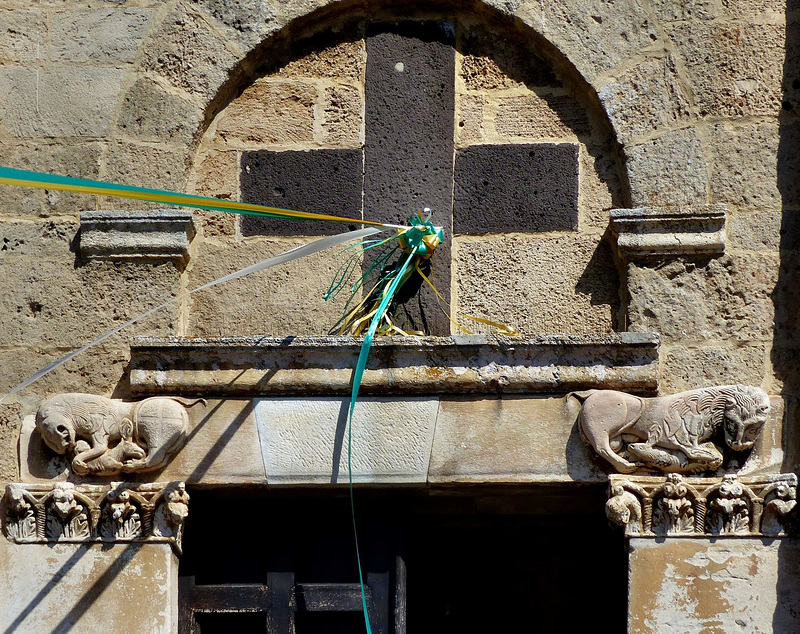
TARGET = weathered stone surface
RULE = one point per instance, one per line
(745, 164)
(511, 440)
(150, 112)
(143, 165)
(540, 117)
(10, 419)
(24, 36)
(305, 441)
(489, 198)
(759, 231)
(316, 57)
(56, 303)
(216, 174)
(595, 35)
(397, 365)
(668, 171)
(111, 36)
(645, 98)
(269, 113)
(189, 53)
(55, 102)
(99, 370)
(685, 368)
(576, 273)
(490, 60)
(648, 232)
(670, 11)
(733, 69)
(601, 188)
(728, 298)
(37, 239)
(252, 20)
(693, 585)
(341, 117)
(222, 446)
(317, 181)
(289, 299)
(469, 118)
(134, 584)
(80, 160)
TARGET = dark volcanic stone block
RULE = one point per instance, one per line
(408, 153)
(317, 181)
(525, 188)
(410, 106)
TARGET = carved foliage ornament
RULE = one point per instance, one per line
(672, 434)
(673, 505)
(107, 437)
(120, 512)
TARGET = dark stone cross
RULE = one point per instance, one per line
(408, 162)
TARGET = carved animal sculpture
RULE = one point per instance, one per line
(671, 433)
(109, 436)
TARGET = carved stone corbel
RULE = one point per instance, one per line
(106, 437)
(672, 434)
(727, 506)
(119, 512)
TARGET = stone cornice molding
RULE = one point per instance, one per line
(480, 364)
(88, 513)
(662, 232)
(158, 234)
(756, 506)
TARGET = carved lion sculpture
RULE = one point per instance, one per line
(671, 433)
(109, 436)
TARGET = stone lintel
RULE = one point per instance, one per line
(727, 506)
(647, 232)
(159, 234)
(397, 365)
(117, 512)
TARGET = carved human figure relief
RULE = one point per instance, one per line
(671, 434)
(67, 518)
(105, 436)
(121, 518)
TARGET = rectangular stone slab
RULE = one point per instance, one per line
(397, 365)
(722, 585)
(305, 441)
(85, 588)
(510, 439)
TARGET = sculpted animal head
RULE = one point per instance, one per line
(56, 425)
(63, 420)
(746, 410)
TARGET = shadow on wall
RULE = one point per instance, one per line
(786, 298)
(786, 342)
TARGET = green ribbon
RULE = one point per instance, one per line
(358, 374)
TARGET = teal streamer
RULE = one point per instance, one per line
(358, 374)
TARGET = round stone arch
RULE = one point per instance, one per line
(618, 49)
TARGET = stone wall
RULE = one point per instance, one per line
(170, 94)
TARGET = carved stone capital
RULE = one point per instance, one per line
(118, 512)
(726, 506)
(648, 232)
